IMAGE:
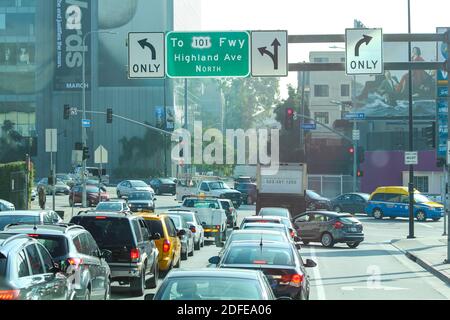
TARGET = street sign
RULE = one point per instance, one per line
(101, 155)
(51, 140)
(77, 157)
(364, 51)
(356, 135)
(208, 54)
(86, 123)
(354, 116)
(309, 126)
(146, 55)
(269, 54)
(411, 158)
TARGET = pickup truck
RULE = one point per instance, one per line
(211, 214)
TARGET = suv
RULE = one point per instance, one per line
(27, 271)
(134, 258)
(76, 252)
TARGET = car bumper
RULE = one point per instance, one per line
(349, 237)
(125, 271)
(287, 291)
(164, 263)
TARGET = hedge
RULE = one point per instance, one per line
(18, 198)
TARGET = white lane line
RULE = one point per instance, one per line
(317, 277)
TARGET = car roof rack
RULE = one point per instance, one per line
(15, 237)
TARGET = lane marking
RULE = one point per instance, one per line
(317, 277)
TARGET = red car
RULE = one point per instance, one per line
(92, 193)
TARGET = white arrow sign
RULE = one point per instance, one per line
(146, 55)
(101, 155)
(269, 54)
(364, 51)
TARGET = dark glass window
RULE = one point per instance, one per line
(35, 260)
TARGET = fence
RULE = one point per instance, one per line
(330, 186)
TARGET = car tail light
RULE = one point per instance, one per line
(292, 233)
(33, 235)
(259, 262)
(218, 227)
(166, 246)
(294, 280)
(9, 294)
(100, 218)
(135, 255)
(76, 262)
(338, 225)
(193, 230)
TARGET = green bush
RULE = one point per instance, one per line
(17, 198)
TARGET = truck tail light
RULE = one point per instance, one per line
(135, 255)
(294, 280)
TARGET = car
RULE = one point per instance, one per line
(350, 203)
(134, 259)
(141, 201)
(230, 211)
(219, 189)
(96, 183)
(393, 202)
(6, 206)
(279, 212)
(249, 192)
(187, 239)
(279, 261)
(66, 178)
(90, 173)
(75, 251)
(315, 201)
(329, 228)
(29, 217)
(194, 225)
(243, 179)
(60, 187)
(259, 219)
(126, 187)
(33, 194)
(169, 243)
(94, 195)
(163, 185)
(214, 284)
(280, 227)
(28, 272)
(112, 206)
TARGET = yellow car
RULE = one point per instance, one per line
(169, 245)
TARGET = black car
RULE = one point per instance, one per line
(315, 201)
(329, 228)
(163, 185)
(249, 192)
(28, 272)
(78, 256)
(350, 203)
(134, 258)
(280, 262)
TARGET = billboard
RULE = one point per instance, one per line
(73, 21)
(441, 100)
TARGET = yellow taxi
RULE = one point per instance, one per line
(393, 202)
(169, 245)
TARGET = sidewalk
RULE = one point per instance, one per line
(430, 253)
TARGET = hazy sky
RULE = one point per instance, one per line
(322, 17)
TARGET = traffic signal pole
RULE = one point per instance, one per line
(355, 159)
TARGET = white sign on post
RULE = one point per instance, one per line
(364, 51)
(146, 55)
(411, 158)
(101, 155)
(356, 135)
(51, 140)
(269, 54)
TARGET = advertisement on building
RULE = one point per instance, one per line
(73, 22)
(441, 100)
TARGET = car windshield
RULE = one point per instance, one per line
(107, 231)
(167, 181)
(211, 288)
(91, 189)
(197, 203)
(264, 227)
(155, 226)
(218, 185)
(140, 196)
(185, 216)
(109, 206)
(279, 237)
(349, 220)
(225, 204)
(278, 212)
(139, 184)
(10, 219)
(56, 245)
(254, 254)
(420, 198)
(313, 195)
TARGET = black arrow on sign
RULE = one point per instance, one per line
(366, 39)
(274, 56)
(144, 43)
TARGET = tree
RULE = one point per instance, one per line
(13, 146)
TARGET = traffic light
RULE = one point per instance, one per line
(66, 111)
(109, 115)
(289, 119)
(86, 153)
(360, 173)
(78, 146)
(430, 135)
(351, 150)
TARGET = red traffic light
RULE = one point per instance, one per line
(351, 150)
(360, 173)
(290, 111)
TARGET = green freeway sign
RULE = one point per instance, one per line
(208, 54)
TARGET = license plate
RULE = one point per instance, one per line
(353, 229)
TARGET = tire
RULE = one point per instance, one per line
(224, 235)
(392, 218)
(197, 245)
(421, 216)
(337, 209)
(202, 244)
(436, 219)
(108, 290)
(119, 195)
(353, 245)
(153, 282)
(191, 254)
(178, 264)
(327, 240)
(377, 214)
(184, 256)
(137, 286)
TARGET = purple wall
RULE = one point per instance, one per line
(384, 168)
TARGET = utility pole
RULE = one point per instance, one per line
(355, 158)
(447, 65)
(302, 112)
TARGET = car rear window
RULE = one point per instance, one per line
(155, 226)
(108, 231)
(257, 236)
(260, 256)
(349, 220)
(5, 220)
(278, 212)
(225, 205)
(56, 245)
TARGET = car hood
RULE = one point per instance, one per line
(432, 204)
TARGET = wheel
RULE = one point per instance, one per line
(184, 256)
(108, 290)
(178, 263)
(249, 200)
(305, 242)
(87, 294)
(392, 218)
(119, 195)
(191, 254)
(224, 235)
(202, 244)
(197, 245)
(153, 282)
(421, 216)
(436, 219)
(327, 240)
(378, 214)
(337, 209)
(137, 286)
(353, 244)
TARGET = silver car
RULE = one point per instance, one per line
(6, 206)
(187, 240)
(128, 186)
(60, 187)
(195, 226)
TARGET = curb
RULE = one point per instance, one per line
(441, 275)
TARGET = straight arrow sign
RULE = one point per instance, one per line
(274, 56)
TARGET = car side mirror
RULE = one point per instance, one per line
(106, 254)
(181, 233)
(149, 296)
(155, 236)
(310, 263)
(214, 260)
(56, 268)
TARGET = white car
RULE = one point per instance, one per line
(196, 227)
(128, 186)
(6, 206)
